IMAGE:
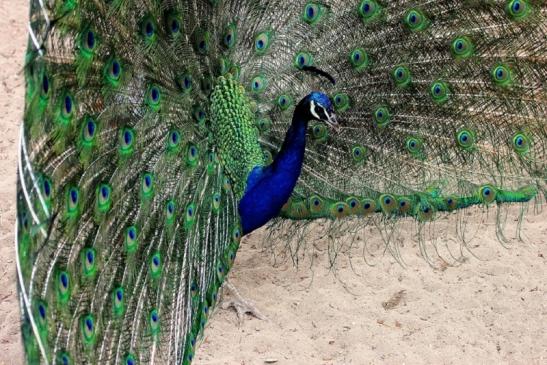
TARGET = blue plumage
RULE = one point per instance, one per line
(269, 188)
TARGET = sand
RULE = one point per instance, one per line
(487, 311)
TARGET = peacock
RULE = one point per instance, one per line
(157, 133)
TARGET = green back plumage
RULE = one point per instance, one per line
(143, 120)
(235, 133)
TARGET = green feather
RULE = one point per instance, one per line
(144, 120)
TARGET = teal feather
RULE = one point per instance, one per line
(144, 121)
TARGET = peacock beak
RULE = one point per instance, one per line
(332, 122)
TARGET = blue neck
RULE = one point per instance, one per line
(269, 188)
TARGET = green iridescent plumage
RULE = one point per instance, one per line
(236, 136)
(144, 120)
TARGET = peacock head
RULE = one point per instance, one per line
(319, 107)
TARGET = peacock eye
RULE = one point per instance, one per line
(131, 233)
(413, 145)
(516, 6)
(67, 105)
(184, 83)
(312, 13)
(465, 139)
(487, 194)
(401, 75)
(115, 69)
(462, 47)
(89, 130)
(381, 116)
(416, 20)
(46, 187)
(439, 92)
(502, 75)
(359, 59)
(175, 26)
(521, 143)
(303, 59)
(259, 84)
(90, 40)
(153, 97)
(127, 137)
(262, 42)
(518, 9)
(45, 84)
(202, 41)
(230, 35)
(369, 10)
(73, 195)
(148, 28)
(105, 192)
(175, 137)
(147, 184)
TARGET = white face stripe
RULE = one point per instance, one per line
(312, 110)
(331, 118)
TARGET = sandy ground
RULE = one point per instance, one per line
(484, 311)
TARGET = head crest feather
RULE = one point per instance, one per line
(320, 72)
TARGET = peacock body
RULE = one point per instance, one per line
(157, 133)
